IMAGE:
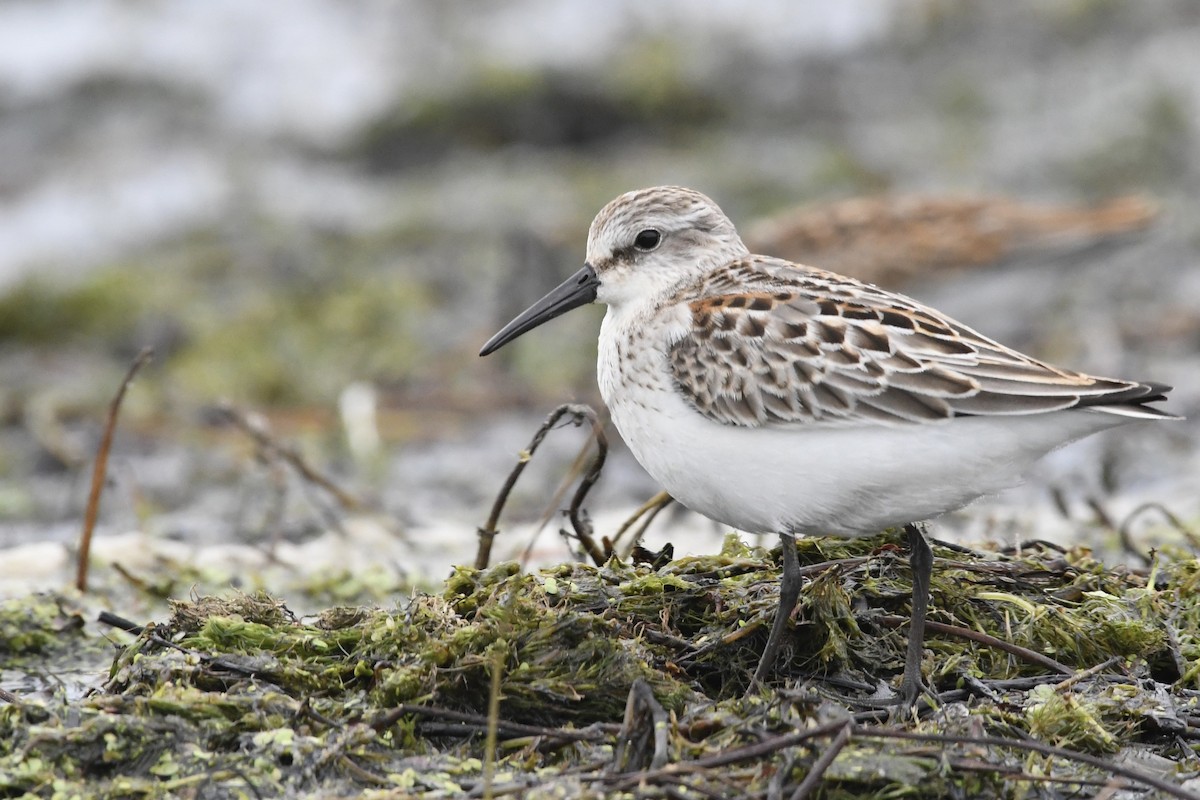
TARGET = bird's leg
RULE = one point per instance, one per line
(789, 593)
(920, 558)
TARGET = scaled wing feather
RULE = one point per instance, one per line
(772, 343)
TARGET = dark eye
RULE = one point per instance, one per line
(647, 240)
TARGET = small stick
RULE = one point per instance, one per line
(290, 455)
(819, 767)
(645, 721)
(1174, 521)
(555, 502)
(474, 722)
(583, 528)
(640, 533)
(1087, 673)
(1123, 534)
(112, 620)
(362, 773)
(651, 507)
(100, 470)
(1025, 653)
(493, 721)
(749, 752)
(579, 413)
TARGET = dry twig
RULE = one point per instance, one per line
(477, 723)
(817, 772)
(1174, 521)
(578, 413)
(1024, 653)
(642, 742)
(263, 438)
(1090, 672)
(499, 656)
(646, 513)
(553, 506)
(100, 470)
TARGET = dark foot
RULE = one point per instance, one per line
(912, 691)
(920, 558)
(789, 593)
(912, 686)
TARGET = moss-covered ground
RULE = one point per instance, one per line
(626, 680)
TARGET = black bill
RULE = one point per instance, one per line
(575, 291)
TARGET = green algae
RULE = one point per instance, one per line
(37, 624)
(241, 695)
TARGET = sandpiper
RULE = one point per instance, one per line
(780, 398)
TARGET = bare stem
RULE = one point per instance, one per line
(262, 437)
(578, 413)
(100, 470)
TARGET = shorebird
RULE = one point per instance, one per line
(896, 239)
(780, 398)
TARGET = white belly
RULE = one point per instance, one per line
(826, 480)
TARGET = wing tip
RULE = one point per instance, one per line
(1132, 402)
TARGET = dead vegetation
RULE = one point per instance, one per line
(625, 680)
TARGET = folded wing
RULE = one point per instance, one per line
(772, 343)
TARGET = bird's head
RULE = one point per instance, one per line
(640, 246)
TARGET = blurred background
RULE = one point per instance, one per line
(319, 211)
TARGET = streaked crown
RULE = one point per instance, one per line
(645, 242)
